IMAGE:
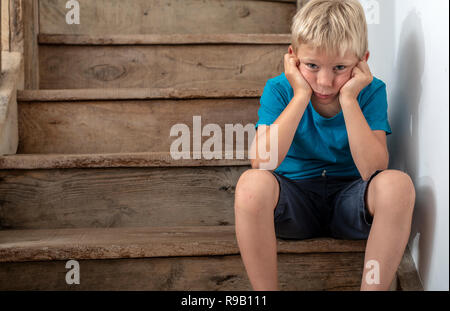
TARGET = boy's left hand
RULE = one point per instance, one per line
(360, 78)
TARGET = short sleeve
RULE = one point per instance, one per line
(272, 104)
(375, 107)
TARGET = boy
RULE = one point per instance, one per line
(331, 178)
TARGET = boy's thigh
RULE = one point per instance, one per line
(351, 218)
(301, 212)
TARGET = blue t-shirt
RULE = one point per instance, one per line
(321, 143)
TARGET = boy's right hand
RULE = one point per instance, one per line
(294, 76)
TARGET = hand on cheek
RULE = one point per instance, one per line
(359, 79)
(294, 75)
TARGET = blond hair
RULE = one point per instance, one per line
(331, 25)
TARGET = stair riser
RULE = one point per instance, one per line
(125, 126)
(158, 66)
(329, 271)
(117, 197)
(168, 17)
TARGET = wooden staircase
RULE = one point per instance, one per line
(93, 179)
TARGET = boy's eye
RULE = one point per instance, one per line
(312, 66)
(340, 67)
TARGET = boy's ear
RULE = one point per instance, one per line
(290, 50)
(366, 56)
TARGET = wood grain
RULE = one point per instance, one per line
(158, 66)
(332, 271)
(117, 197)
(408, 276)
(11, 78)
(168, 17)
(30, 50)
(104, 160)
(159, 39)
(4, 8)
(1, 35)
(16, 26)
(113, 243)
(124, 126)
(214, 90)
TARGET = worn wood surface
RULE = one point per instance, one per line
(16, 26)
(214, 90)
(158, 66)
(104, 160)
(30, 50)
(168, 17)
(333, 271)
(125, 126)
(159, 39)
(111, 243)
(117, 197)
(408, 277)
(10, 79)
(1, 35)
(301, 3)
(4, 25)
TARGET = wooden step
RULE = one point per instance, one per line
(110, 160)
(161, 39)
(176, 258)
(307, 272)
(195, 258)
(214, 90)
(168, 17)
(114, 195)
(89, 122)
(114, 243)
(159, 61)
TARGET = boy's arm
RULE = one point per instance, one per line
(368, 148)
(287, 124)
(288, 120)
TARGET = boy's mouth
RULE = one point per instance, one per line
(322, 96)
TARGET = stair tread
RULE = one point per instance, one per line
(143, 242)
(163, 39)
(215, 89)
(103, 160)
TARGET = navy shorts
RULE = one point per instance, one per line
(325, 206)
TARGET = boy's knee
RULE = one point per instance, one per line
(395, 186)
(256, 189)
(394, 183)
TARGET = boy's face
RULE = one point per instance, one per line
(326, 74)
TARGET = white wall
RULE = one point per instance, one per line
(410, 52)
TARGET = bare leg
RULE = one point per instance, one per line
(390, 198)
(255, 200)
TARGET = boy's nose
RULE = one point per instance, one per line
(324, 80)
